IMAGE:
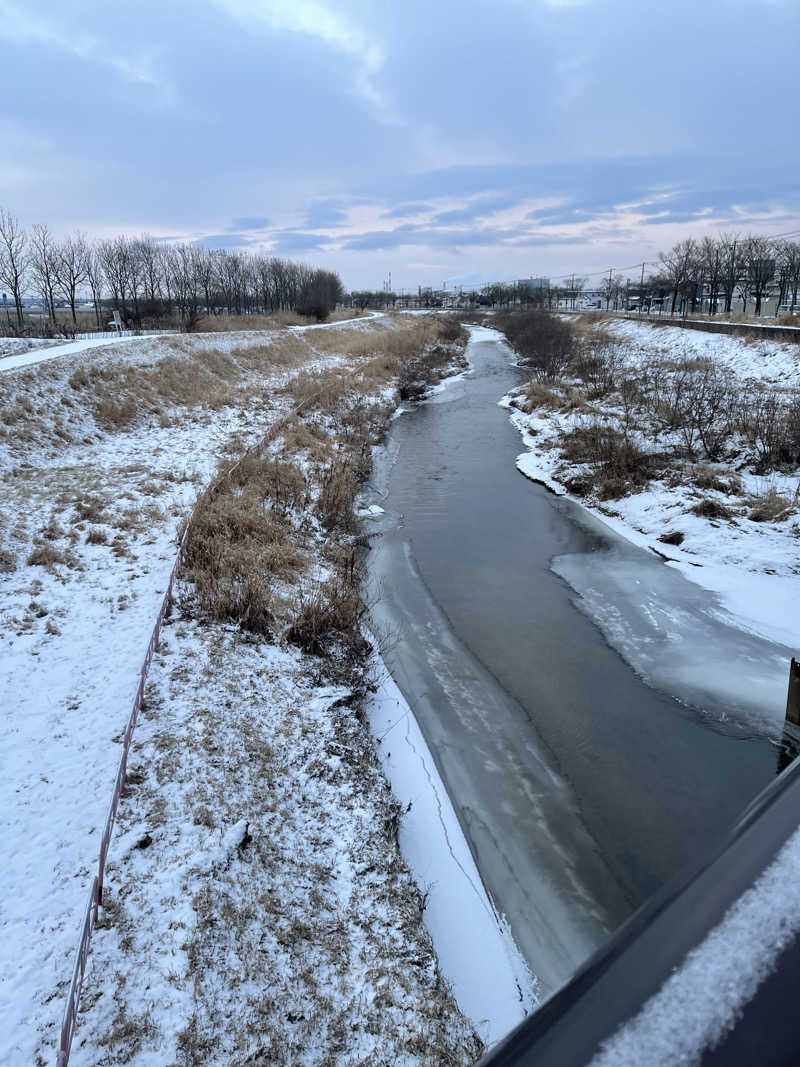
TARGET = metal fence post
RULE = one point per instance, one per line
(793, 695)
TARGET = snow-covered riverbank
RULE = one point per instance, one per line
(749, 561)
(103, 456)
(464, 925)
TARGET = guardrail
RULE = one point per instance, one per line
(102, 335)
(736, 329)
(96, 895)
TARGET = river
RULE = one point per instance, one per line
(580, 788)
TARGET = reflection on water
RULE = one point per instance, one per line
(580, 788)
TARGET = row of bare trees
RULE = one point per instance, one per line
(145, 279)
(714, 272)
(710, 274)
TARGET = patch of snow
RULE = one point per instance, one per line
(358, 322)
(701, 1001)
(773, 362)
(42, 353)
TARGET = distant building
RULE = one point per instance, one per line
(533, 283)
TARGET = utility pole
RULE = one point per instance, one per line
(641, 292)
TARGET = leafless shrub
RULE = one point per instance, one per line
(338, 491)
(97, 536)
(47, 555)
(451, 331)
(620, 464)
(763, 421)
(697, 401)
(708, 508)
(329, 623)
(598, 364)
(769, 506)
(8, 561)
(542, 341)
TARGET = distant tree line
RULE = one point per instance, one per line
(147, 280)
(711, 275)
(715, 272)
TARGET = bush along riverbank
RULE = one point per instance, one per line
(259, 909)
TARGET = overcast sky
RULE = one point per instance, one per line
(439, 140)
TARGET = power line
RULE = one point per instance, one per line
(652, 262)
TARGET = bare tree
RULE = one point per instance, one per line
(677, 266)
(14, 259)
(790, 269)
(96, 280)
(151, 267)
(44, 265)
(730, 265)
(115, 257)
(72, 268)
(759, 265)
(711, 257)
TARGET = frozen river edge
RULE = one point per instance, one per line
(488, 975)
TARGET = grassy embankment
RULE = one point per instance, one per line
(306, 938)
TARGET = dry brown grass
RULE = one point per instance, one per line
(770, 506)
(47, 555)
(90, 508)
(706, 477)
(708, 508)
(619, 465)
(119, 394)
(538, 395)
(250, 543)
(241, 543)
(8, 561)
(685, 363)
(237, 323)
(565, 399)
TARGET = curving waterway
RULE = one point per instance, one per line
(580, 788)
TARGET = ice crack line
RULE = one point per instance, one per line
(480, 895)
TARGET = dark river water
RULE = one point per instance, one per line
(580, 788)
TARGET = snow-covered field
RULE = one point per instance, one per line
(88, 538)
(753, 566)
(256, 911)
(103, 454)
(772, 362)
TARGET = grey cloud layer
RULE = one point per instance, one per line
(311, 128)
